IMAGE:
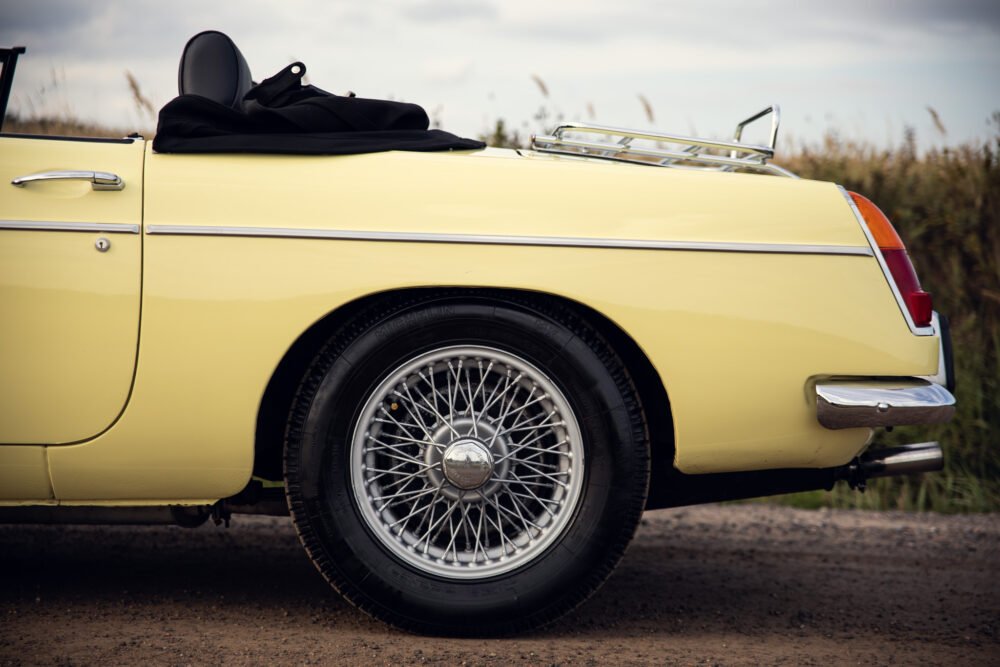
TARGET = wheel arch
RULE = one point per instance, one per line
(278, 396)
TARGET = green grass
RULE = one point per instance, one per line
(945, 492)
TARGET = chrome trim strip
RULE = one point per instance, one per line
(919, 331)
(882, 402)
(499, 239)
(941, 377)
(59, 226)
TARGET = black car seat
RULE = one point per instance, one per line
(212, 67)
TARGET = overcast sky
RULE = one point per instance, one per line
(864, 68)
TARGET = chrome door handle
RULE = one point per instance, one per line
(99, 180)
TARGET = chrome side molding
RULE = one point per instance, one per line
(882, 402)
(505, 239)
(69, 226)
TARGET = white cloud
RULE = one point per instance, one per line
(447, 71)
(448, 11)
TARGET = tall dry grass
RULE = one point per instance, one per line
(57, 126)
(37, 116)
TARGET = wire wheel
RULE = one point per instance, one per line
(467, 462)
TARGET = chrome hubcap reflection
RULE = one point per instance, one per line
(467, 462)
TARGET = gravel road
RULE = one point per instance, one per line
(716, 585)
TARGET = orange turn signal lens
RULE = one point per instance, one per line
(883, 231)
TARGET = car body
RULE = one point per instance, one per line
(157, 338)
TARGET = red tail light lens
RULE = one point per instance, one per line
(917, 301)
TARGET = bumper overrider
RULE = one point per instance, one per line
(871, 403)
(898, 401)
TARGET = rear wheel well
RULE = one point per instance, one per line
(277, 401)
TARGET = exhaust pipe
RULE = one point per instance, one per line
(905, 460)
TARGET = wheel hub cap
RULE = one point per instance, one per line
(467, 463)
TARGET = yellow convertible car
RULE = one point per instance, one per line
(464, 372)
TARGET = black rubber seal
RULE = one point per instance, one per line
(944, 330)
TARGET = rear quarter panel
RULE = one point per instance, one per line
(736, 337)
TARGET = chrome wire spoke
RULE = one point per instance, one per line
(507, 385)
(407, 439)
(520, 482)
(537, 451)
(383, 473)
(394, 457)
(404, 426)
(528, 443)
(538, 473)
(525, 406)
(519, 502)
(400, 497)
(470, 461)
(403, 478)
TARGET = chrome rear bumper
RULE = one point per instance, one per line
(882, 402)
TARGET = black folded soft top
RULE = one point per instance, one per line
(193, 124)
(220, 111)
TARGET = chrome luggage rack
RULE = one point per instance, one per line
(666, 150)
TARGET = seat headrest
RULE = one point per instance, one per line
(212, 66)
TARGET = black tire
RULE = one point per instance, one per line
(390, 581)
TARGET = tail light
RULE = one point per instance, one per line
(917, 301)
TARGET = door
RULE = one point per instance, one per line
(70, 272)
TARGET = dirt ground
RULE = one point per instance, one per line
(713, 585)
